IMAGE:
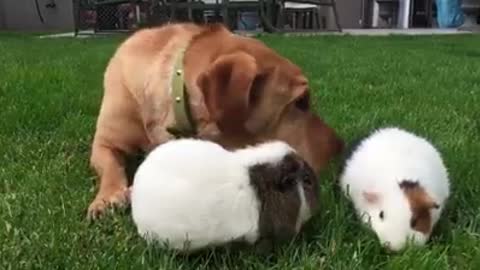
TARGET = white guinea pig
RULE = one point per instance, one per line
(191, 194)
(398, 184)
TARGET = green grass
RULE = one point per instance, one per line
(50, 92)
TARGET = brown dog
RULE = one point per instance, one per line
(239, 92)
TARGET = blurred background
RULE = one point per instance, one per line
(96, 16)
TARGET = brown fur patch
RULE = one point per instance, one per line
(276, 188)
(420, 204)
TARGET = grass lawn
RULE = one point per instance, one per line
(50, 92)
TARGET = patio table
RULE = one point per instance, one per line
(264, 8)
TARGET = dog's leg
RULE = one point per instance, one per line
(109, 164)
(119, 134)
(156, 132)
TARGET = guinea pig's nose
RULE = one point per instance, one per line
(390, 248)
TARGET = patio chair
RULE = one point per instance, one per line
(389, 11)
(307, 8)
(302, 15)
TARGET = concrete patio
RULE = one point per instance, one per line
(353, 32)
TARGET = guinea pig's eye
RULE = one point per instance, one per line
(381, 215)
(286, 183)
(307, 180)
(290, 180)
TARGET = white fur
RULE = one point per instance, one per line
(191, 194)
(382, 160)
(305, 212)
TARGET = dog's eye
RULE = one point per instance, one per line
(413, 222)
(254, 96)
(256, 89)
(303, 103)
(381, 215)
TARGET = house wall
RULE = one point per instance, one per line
(22, 15)
(350, 13)
(2, 15)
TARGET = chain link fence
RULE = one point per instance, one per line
(111, 15)
(125, 15)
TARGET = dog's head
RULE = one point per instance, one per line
(255, 95)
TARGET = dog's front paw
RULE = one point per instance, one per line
(116, 198)
(209, 132)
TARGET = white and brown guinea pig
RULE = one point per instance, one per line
(398, 184)
(190, 194)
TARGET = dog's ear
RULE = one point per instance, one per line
(226, 86)
(278, 88)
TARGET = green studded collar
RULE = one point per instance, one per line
(184, 126)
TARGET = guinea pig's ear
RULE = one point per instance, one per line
(430, 203)
(290, 165)
(417, 195)
(288, 173)
(371, 197)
